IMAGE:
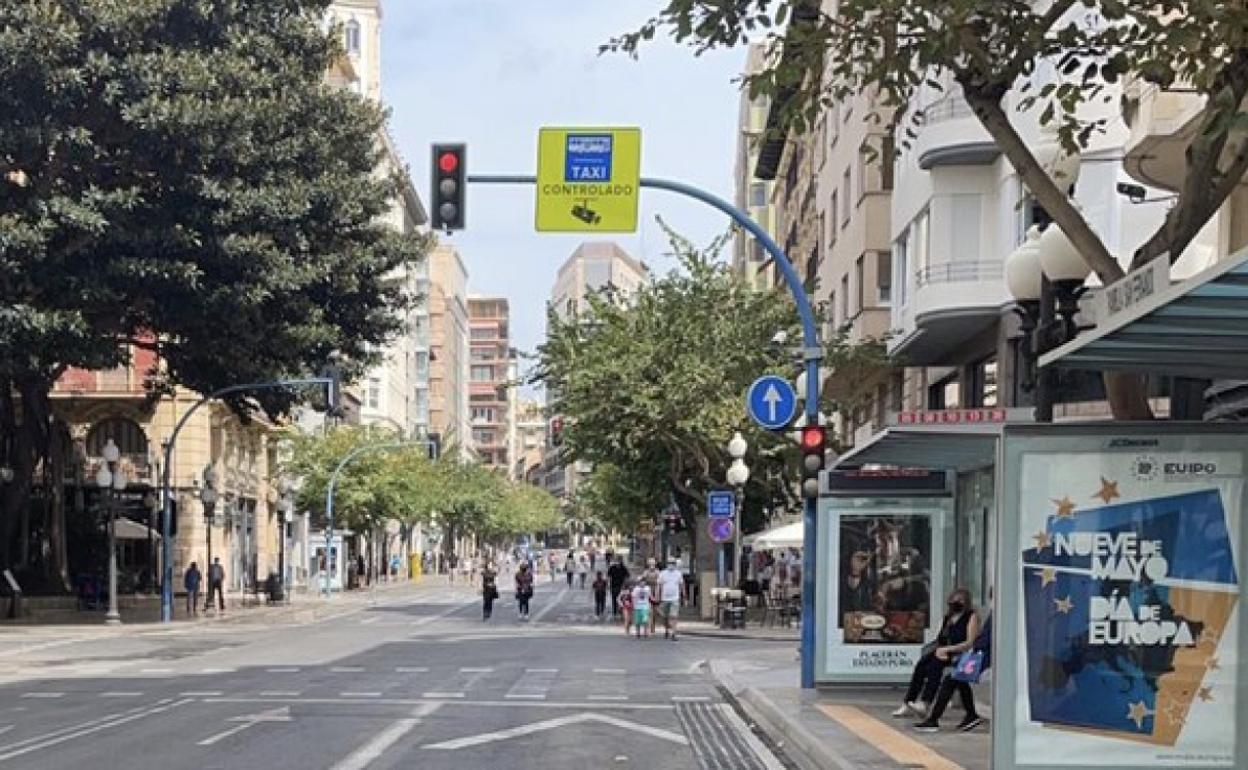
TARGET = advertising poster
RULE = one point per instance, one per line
(878, 588)
(1128, 584)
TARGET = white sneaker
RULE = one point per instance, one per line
(902, 711)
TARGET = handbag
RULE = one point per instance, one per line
(970, 666)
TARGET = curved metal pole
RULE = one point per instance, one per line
(811, 355)
(166, 524)
(333, 485)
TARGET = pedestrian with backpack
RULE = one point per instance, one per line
(524, 589)
(216, 584)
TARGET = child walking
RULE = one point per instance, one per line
(641, 608)
(626, 605)
(600, 595)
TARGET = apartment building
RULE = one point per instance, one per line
(449, 418)
(528, 440)
(753, 194)
(489, 386)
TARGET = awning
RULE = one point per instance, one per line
(1196, 328)
(784, 536)
(128, 529)
(938, 447)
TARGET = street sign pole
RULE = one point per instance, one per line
(812, 353)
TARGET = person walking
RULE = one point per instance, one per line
(489, 591)
(569, 567)
(192, 581)
(626, 605)
(617, 576)
(957, 634)
(671, 597)
(216, 584)
(524, 589)
(600, 595)
(651, 578)
(641, 608)
(582, 570)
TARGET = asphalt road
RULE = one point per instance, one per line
(415, 680)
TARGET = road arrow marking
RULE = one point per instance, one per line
(551, 724)
(249, 720)
(772, 398)
(366, 754)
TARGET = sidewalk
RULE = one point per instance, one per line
(846, 727)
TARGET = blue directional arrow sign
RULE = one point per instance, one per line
(772, 402)
(719, 504)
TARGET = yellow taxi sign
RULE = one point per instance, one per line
(588, 180)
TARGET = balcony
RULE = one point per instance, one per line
(1162, 124)
(950, 303)
(949, 134)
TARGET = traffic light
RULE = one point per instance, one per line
(813, 438)
(449, 178)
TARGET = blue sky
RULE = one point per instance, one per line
(491, 72)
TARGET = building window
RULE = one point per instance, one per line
(845, 308)
(479, 333)
(482, 374)
(884, 277)
(482, 354)
(859, 284)
(758, 253)
(845, 198)
(372, 398)
(833, 208)
(482, 414)
(944, 394)
(832, 319)
(888, 156)
(758, 194)
(983, 383)
(482, 437)
(902, 250)
(352, 36)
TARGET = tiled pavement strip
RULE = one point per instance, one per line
(844, 728)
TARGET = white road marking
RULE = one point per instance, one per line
(412, 670)
(476, 671)
(453, 700)
(370, 621)
(373, 694)
(281, 693)
(218, 671)
(763, 753)
(155, 671)
(440, 695)
(5, 729)
(289, 670)
(379, 743)
(550, 606)
(551, 724)
(525, 696)
(689, 699)
(201, 694)
(541, 671)
(120, 694)
(43, 695)
(61, 736)
(608, 697)
(247, 721)
(346, 669)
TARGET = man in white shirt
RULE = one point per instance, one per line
(671, 596)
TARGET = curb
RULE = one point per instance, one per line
(684, 631)
(795, 740)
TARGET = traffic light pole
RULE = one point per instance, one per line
(812, 353)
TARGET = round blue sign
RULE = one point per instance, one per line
(772, 402)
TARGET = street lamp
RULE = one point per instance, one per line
(111, 480)
(286, 514)
(1046, 276)
(737, 476)
(208, 497)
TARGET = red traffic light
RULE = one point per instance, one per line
(813, 437)
(448, 162)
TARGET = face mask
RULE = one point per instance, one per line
(956, 607)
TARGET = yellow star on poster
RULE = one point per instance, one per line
(1047, 575)
(1205, 694)
(1043, 540)
(1064, 605)
(1109, 490)
(1065, 507)
(1174, 713)
(1137, 713)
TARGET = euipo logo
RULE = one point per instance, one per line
(1145, 468)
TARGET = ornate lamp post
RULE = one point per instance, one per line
(111, 480)
(208, 498)
(286, 514)
(737, 476)
(1046, 277)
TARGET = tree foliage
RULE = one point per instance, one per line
(177, 174)
(651, 387)
(1063, 60)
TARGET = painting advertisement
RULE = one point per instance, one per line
(877, 602)
(1126, 591)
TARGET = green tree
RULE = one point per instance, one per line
(652, 387)
(178, 175)
(525, 509)
(990, 48)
